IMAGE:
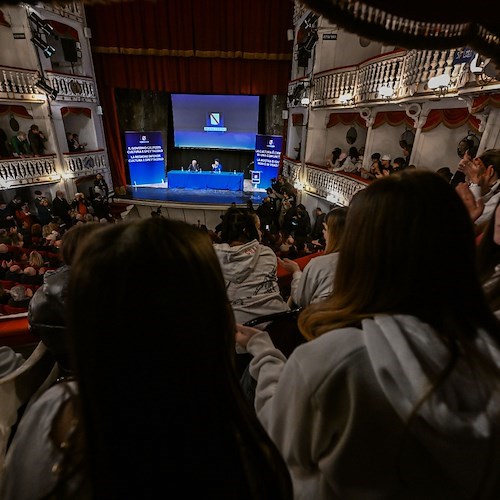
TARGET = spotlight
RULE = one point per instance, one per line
(42, 85)
(47, 49)
(41, 24)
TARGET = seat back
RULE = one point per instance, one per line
(19, 386)
(282, 328)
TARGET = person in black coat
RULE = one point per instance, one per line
(61, 208)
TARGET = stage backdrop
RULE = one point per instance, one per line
(267, 158)
(146, 160)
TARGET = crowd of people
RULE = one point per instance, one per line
(380, 165)
(23, 144)
(31, 232)
(33, 143)
(394, 393)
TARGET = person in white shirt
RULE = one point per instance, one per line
(483, 173)
(315, 282)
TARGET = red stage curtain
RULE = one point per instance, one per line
(451, 118)
(392, 118)
(76, 111)
(15, 110)
(187, 46)
(345, 119)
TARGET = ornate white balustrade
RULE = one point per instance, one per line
(86, 163)
(333, 186)
(404, 74)
(73, 87)
(291, 170)
(17, 83)
(72, 10)
(24, 171)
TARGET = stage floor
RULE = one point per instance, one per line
(161, 193)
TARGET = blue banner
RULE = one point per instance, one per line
(146, 160)
(267, 158)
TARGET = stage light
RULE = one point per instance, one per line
(47, 49)
(42, 85)
(41, 24)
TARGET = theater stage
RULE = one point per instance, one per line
(161, 194)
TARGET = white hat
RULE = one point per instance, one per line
(386, 157)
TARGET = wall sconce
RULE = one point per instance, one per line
(385, 92)
(346, 99)
(42, 85)
(298, 185)
(47, 49)
(439, 84)
(305, 101)
(41, 24)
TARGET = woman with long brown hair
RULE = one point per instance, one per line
(397, 393)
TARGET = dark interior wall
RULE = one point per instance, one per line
(140, 110)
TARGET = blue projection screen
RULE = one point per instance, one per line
(215, 121)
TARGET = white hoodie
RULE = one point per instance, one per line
(338, 408)
(251, 281)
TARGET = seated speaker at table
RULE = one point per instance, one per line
(194, 166)
(216, 166)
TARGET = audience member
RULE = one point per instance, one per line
(398, 391)
(20, 145)
(20, 296)
(334, 160)
(387, 167)
(399, 164)
(7, 219)
(353, 161)
(315, 282)
(317, 228)
(376, 166)
(101, 186)
(46, 316)
(61, 208)
(249, 268)
(4, 151)
(488, 260)
(77, 145)
(484, 175)
(445, 172)
(114, 442)
(37, 140)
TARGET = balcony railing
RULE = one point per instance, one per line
(335, 187)
(72, 10)
(86, 163)
(405, 73)
(291, 170)
(18, 83)
(73, 87)
(16, 172)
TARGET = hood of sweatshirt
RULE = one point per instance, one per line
(239, 261)
(407, 357)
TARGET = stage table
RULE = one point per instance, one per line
(205, 180)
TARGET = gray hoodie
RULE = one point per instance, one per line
(338, 410)
(251, 282)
